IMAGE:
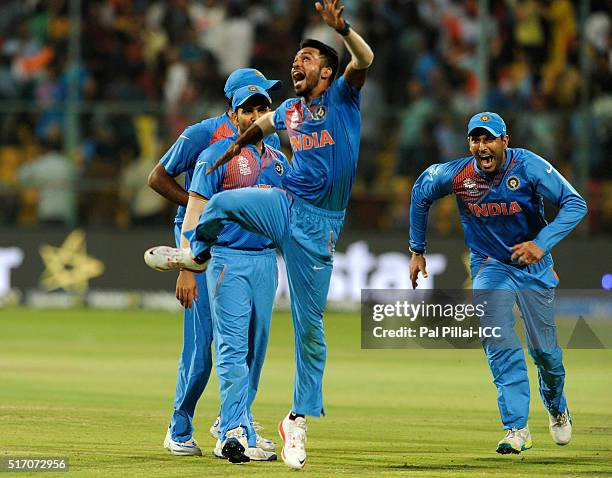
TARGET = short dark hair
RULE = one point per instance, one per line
(326, 51)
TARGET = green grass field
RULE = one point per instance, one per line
(97, 387)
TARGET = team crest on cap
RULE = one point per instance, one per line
(485, 118)
(320, 113)
(513, 183)
(252, 88)
(278, 167)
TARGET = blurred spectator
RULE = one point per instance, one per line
(170, 59)
(53, 175)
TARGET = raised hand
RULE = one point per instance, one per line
(331, 13)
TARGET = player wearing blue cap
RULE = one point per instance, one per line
(196, 361)
(500, 193)
(242, 278)
(304, 218)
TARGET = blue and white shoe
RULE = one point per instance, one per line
(180, 448)
(515, 441)
(214, 429)
(261, 442)
(560, 427)
(253, 453)
(234, 446)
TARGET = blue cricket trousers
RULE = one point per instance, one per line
(195, 362)
(242, 289)
(306, 237)
(532, 288)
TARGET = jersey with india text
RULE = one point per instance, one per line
(501, 211)
(182, 155)
(324, 137)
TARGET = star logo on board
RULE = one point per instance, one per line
(68, 266)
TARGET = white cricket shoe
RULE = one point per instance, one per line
(560, 428)
(165, 258)
(234, 446)
(181, 448)
(263, 443)
(293, 433)
(515, 441)
(254, 453)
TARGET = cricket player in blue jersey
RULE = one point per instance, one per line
(304, 218)
(196, 360)
(500, 192)
(242, 278)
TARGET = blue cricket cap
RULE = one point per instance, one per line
(492, 122)
(248, 76)
(244, 93)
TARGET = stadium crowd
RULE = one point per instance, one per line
(149, 68)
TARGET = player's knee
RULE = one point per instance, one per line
(547, 359)
(224, 201)
(312, 344)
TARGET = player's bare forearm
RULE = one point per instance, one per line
(164, 184)
(362, 55)
(195, 206)
(256, 132)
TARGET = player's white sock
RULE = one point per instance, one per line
(186, 448)
(164, 258)
(516, 440)
(293, 433)
(560, 427)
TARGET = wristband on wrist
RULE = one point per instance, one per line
(344, 31)
(418, 252)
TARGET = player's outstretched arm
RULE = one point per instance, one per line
(263, 127)
(161, 182)
(361, 53)
(433, 184)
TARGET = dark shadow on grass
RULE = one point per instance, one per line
(434, 467)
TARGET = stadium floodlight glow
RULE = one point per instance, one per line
(606, 281)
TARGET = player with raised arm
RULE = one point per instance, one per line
(304, 218)
(500, 193)
(195, 361)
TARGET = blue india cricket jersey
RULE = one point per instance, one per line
(182, 155)
(246, 169)
(324, 136)
(499, 212)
